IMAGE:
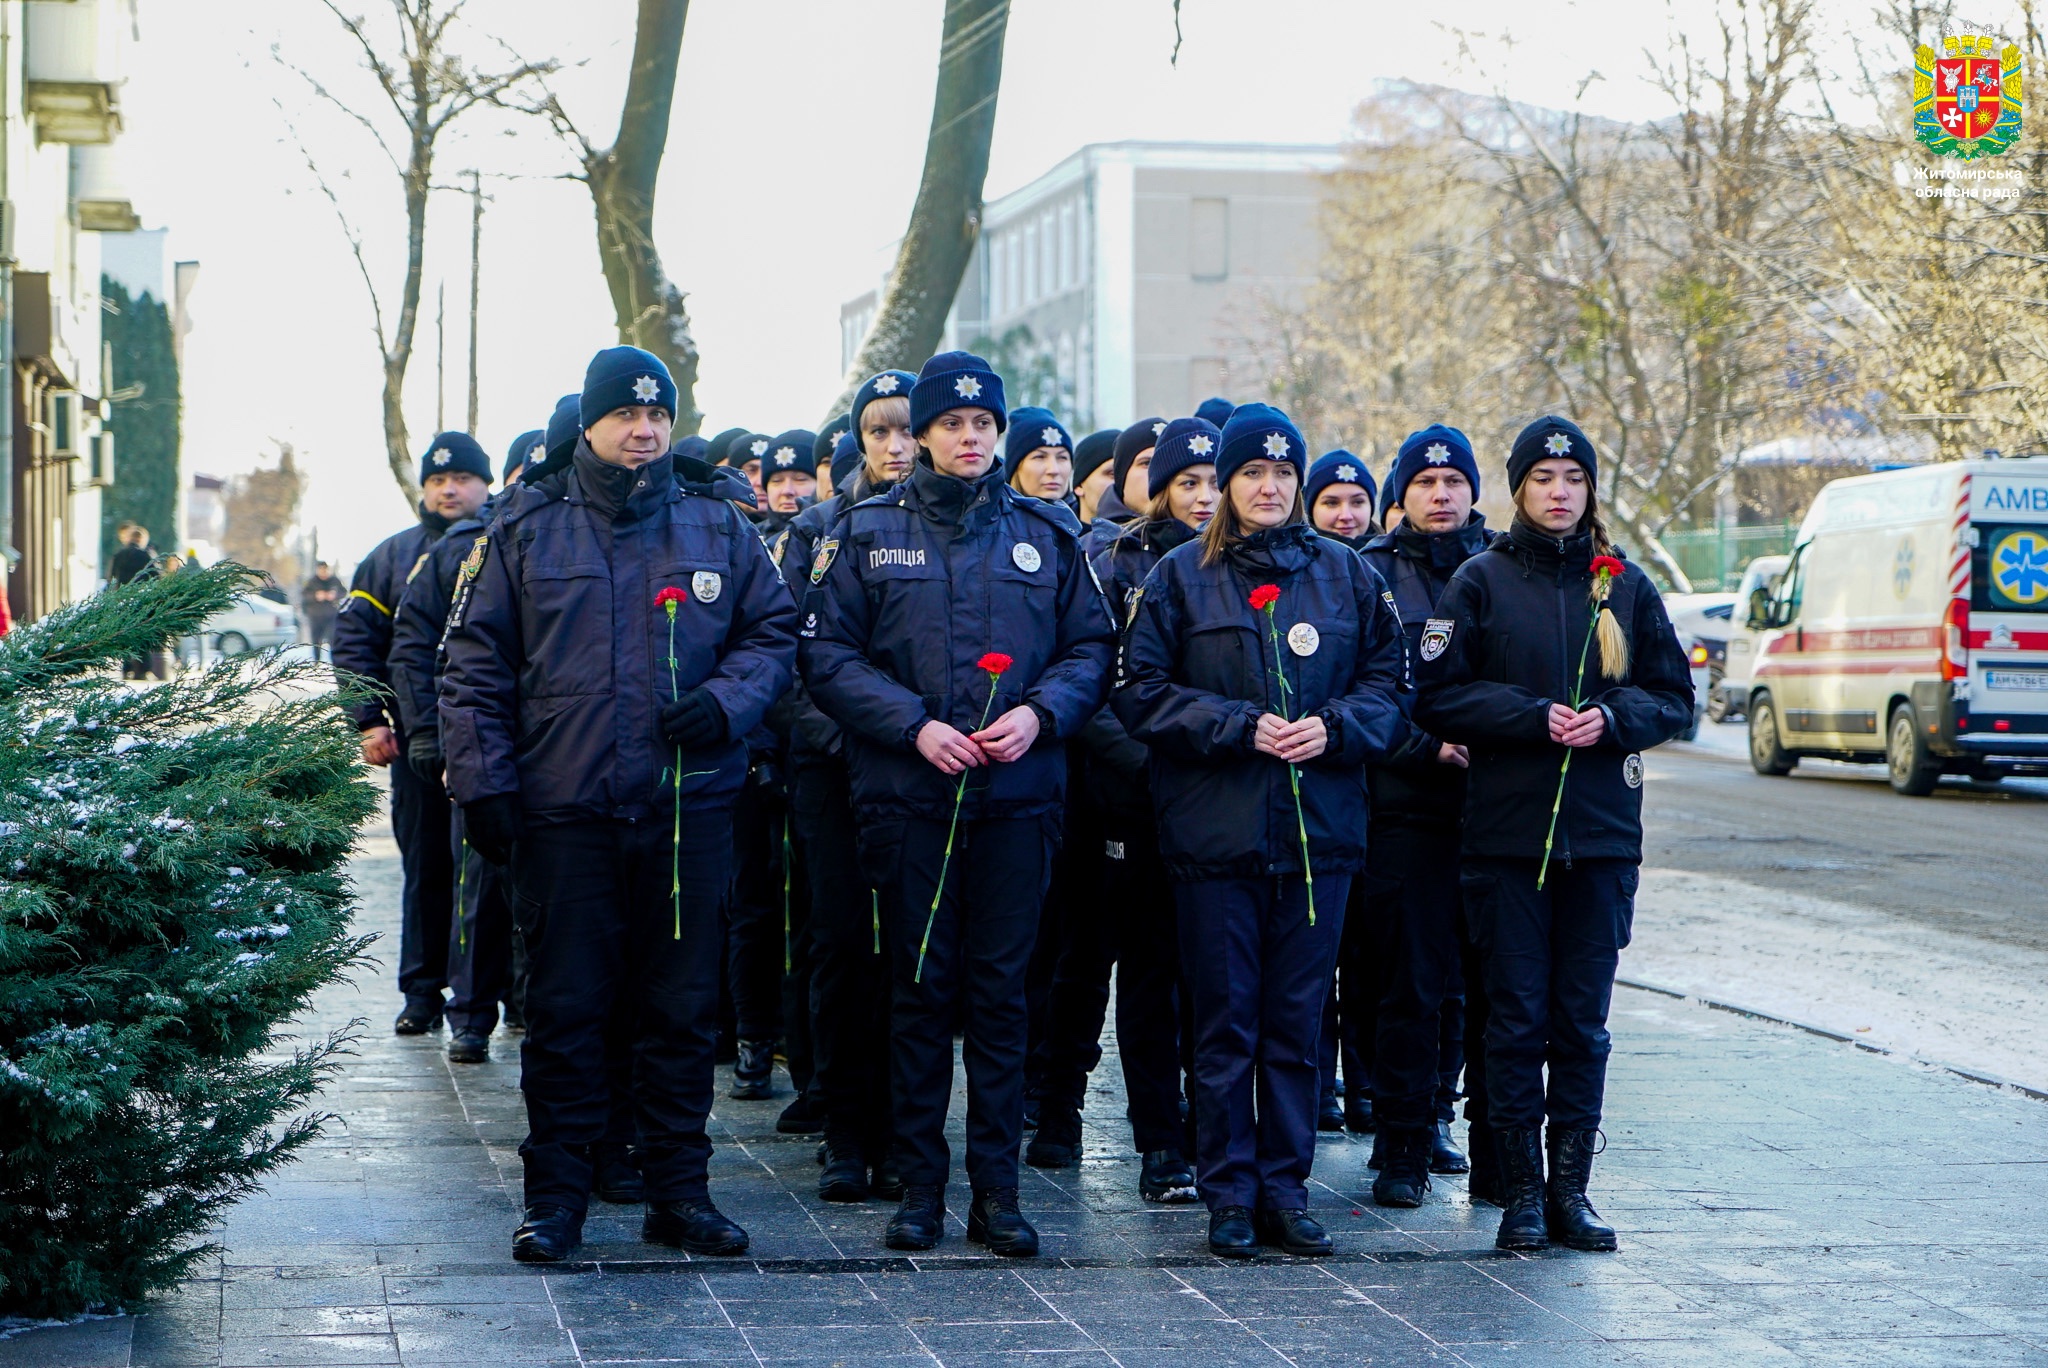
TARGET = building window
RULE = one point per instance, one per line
(1209, 239)
(1068, 277)
(996, 302)
(1048, 251)
(1031, 286)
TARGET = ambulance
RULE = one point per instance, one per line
(1911, 627)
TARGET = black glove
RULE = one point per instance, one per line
(423, 753)
(492, 826)
(695, 721)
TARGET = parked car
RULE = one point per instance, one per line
(1705, 618)
(1696, 655)
(1760, 578)
(256, 622)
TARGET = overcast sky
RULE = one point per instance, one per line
(793, 157)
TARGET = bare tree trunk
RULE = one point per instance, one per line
(646, 304)
(946, 220)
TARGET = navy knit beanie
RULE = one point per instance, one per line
(1132, 443)
(796, 449)
(1186, 442)
(749, 446)
(1091, 451)
(622, 377)
(456, 453)
(845, 456)
(954, 380)
(1337, 467)
(690, 448)
(1259, 432)
(1435, 445)
(1216, 409)
(720, 446)
(1030, 429)
(1547, 437)
(521, 451)
(888, 384)
(828, 438)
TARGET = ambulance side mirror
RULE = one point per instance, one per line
(1759, 609)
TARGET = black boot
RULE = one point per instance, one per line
(885, 1180)
(845, 1178)
(1330, 1115)
(421, 1015)
(1404, 1177)
(469, 1047)
(1378, 1159)
(753, 1073)
(1358, 1113)
(694, 1224)
(1484, 1184)
(1058, 1141)
(801, 1117)
(549, 1234)
(994, 1221)
(1444, 1156)
(920, 1223)
(616, 1178)
(1231, 1235)
(1521, 1183)
(1293, 1231)
(1572, 1218)
(1166, 1177)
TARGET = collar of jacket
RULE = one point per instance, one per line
(620, 493)
(1276, 550)
(433, 522)
(953, 502)
(1538, 547)
(1112, 508)
(1439, 550)
(1163, 534)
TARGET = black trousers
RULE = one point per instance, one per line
(420, 816)
(480, 944)
(792, 883)
(1416, 914)
(756, 948)
(972, 972)
(849, 973)
(1548, 959)
(1259, 975)
(611, 952)
(1351, 1012)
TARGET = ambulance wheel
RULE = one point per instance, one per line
(1913, 771)
(1766, 756)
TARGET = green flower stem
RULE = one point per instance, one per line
(1308, 877)
(461, 893)
(675, 845)
(785, 894)
(1578, 692)
(959, 794)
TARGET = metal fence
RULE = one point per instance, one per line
(1713, 557)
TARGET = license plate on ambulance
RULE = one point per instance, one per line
(2030, 681)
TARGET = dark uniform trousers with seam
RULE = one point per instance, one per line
(981, 942)
(593, 901)
(420, 820)
(480, 938)
(1259, 975)
(754, 940)
(849, 979)
(1417, 925)
(1549, 960)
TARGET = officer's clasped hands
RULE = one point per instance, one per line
(951, 751)
(1293, 742)
(1578, 729)
(695, 720)
(1009, 736)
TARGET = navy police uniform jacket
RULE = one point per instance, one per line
(812, 735)
(362, 634)
(1116, 763)
(1198, 670)
(1503, 644)
(558, 657)
(909, 590)
(414, 659)
(1411, 784)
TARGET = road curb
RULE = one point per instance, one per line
(1989, 1080)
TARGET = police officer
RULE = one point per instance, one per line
(455, 479)
(955, 633)
(1132, 925)
(849, 1005)
(609, 647)
(1093, 472)
(1248, 778)
(480, 949)
(1526, 667)
(1414, 914)
(1126, 500)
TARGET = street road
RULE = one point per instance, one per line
(1917, 923)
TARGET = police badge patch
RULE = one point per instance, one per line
(1632, 771)
(821, 561)
(1026, 557)
(707, 585)
(1303, 638)
(473, 564)
(1436, 637)
(781, 545)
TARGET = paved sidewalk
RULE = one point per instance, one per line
(1781, 1199)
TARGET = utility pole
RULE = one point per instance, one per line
(476, 239)
(441, 357)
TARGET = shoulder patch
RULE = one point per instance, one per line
(473, 564)
(821, 561)
(1436, 636)
(781, 545)
(418, 566)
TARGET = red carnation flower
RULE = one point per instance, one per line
(670, 595)
(1608, 565)
(995, 662)
(1264, 596)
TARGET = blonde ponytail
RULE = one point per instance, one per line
(1607, 627)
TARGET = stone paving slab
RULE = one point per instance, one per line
(1782, 1199)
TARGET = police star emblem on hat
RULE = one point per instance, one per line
(1347, 474)
(1437, 453)
(1158, 428)
(1201, 444)
(785, 456)
(1557, 444)
(967, 387)
(1276, 444)
(646, 390)
(759, 446)
(442, 455)
(886, 384)
(1050, 437)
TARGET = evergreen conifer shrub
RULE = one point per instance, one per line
(171, 895)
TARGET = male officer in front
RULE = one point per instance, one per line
(611, 644)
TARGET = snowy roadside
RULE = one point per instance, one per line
(1944, 997)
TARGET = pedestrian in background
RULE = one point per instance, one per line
(1555, 665)
(320, 604)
